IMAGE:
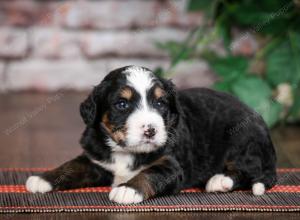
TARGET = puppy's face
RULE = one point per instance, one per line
(136, 109)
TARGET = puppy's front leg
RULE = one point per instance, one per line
(163, 177)
(77, 173)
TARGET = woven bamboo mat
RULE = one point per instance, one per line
(284, 197)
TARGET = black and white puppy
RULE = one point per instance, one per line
(146, 139)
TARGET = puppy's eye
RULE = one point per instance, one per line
(122, 104)
(159, 103)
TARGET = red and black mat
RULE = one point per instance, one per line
(285, 196)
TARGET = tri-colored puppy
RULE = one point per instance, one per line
(147, 139)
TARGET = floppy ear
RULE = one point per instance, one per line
(171, 91)
(90, 108)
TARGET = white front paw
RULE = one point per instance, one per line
(125, 195)
(37, 184)
(219, 183)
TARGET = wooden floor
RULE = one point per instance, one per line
(42, 130)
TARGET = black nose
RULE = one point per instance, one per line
(150, 132)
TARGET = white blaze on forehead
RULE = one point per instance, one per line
(141, 80)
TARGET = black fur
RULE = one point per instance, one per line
(209, 133)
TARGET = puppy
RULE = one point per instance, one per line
(146, 139)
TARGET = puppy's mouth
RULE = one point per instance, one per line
(148, 141)
(120, 138)
(143, 147)
(144, 143)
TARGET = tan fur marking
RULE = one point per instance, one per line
(126, 93)
(142, 184)
(160, 161)
(106, 123)
(159, 92)
(118, 135)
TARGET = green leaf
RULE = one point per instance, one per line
(222, 86)
(294, 113)
(274, 5)
(270, 111)
(295, 46)
(272, 26)
(171, 47)
(196, 5)
(252, 90)
(256, 93)
(183, 54)
(283, 62)
(266, 17)
(159, 72)
(177, 51)
(229, 68)
(249, 15)
(224, 29)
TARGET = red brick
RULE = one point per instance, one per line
(114, 14)
(109, 14)
(25, 12)
(54, 43)
(140, 43)
(149, 63)
(51, 75)
(58, 43)
(13, 43)
(193, 73)
(80, 74)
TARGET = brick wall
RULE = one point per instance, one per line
(51, 45)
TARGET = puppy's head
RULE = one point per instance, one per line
(134, 108)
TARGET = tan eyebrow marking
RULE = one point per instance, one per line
(159, 92)
(126, 93)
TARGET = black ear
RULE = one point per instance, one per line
(91, 107)
(171, 91)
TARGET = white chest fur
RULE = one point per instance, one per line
(121, 167)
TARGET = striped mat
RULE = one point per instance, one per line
(284, 197)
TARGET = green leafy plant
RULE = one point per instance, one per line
(274, 89)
